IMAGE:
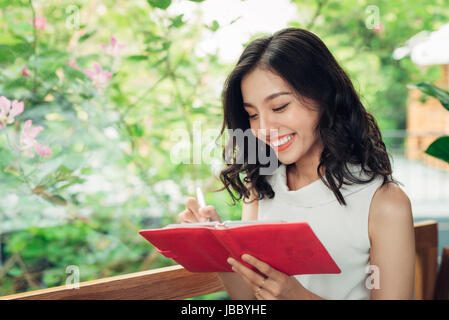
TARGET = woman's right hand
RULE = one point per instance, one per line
(193, 212)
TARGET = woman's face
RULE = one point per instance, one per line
(282, 121)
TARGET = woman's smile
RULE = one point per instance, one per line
(282, 143)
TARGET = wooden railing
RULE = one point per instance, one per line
(177, 283)
(426, 266)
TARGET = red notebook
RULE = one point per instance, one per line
(290, 247)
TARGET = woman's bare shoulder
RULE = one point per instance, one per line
(391, 207)
(392, 235)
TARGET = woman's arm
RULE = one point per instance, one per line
(236, 287)
(392, 239)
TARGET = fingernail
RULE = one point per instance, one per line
(230, 260)
(245, 257)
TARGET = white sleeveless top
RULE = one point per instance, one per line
(343, 230)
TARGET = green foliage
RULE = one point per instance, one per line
(110, 173)
(433, 91)
(440, 147)
(161, 4)
(367, 55)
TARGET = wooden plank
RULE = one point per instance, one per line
(426, 234)
(167, 283)
(426, 243)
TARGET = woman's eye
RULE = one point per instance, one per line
(281, 108)
(276, 110)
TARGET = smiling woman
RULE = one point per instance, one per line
(290, 82)
(293, 121)
(333, 172)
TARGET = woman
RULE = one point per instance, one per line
(333, 172)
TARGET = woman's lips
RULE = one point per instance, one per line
(285, 145)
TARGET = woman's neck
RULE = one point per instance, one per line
(304, 171)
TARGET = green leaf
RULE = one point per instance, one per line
(166, 45)
(158, 62)
(214, 27)
(15, 272)
(137, 58)
(6, 54)
(177, 22)
(154, 50)
(6, 158)
(196, 0)
(86, 36)
(136, 130)
(87, 170)
(161, 4)
(433, 91)
(61, 178)
(439, 148)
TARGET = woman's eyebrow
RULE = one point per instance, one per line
(270, 97)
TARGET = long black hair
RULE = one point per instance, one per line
(348, 132)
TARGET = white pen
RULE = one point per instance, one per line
(200, 198)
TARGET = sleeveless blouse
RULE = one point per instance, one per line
(343, 230)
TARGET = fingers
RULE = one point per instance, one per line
(209, 212)
(253, 279)
(263, 294)
(201, 214)
(186, 217)
(264, 287)
(193, 206)
(262, 267)
(258, 283)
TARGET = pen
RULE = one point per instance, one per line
(200, 198)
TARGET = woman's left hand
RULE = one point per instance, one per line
(274, 286)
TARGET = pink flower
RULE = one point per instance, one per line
(43, 151)
(74, 65)
(113, 48)
(25, 72)
(8, 111)
(99, 77)
(28, 142)
(378, 28)
(39, 23)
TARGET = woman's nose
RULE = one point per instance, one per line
(264, 122)
(266, 127)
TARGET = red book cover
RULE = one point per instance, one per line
(290, 247)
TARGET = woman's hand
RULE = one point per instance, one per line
(275, 285)
(193, 213)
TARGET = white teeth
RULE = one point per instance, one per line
(282, 141)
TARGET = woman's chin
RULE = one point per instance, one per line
(287, 157)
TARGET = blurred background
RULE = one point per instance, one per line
(115, 91)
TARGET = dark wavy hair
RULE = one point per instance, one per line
(348, 132)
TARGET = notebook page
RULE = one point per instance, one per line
(226, 223)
